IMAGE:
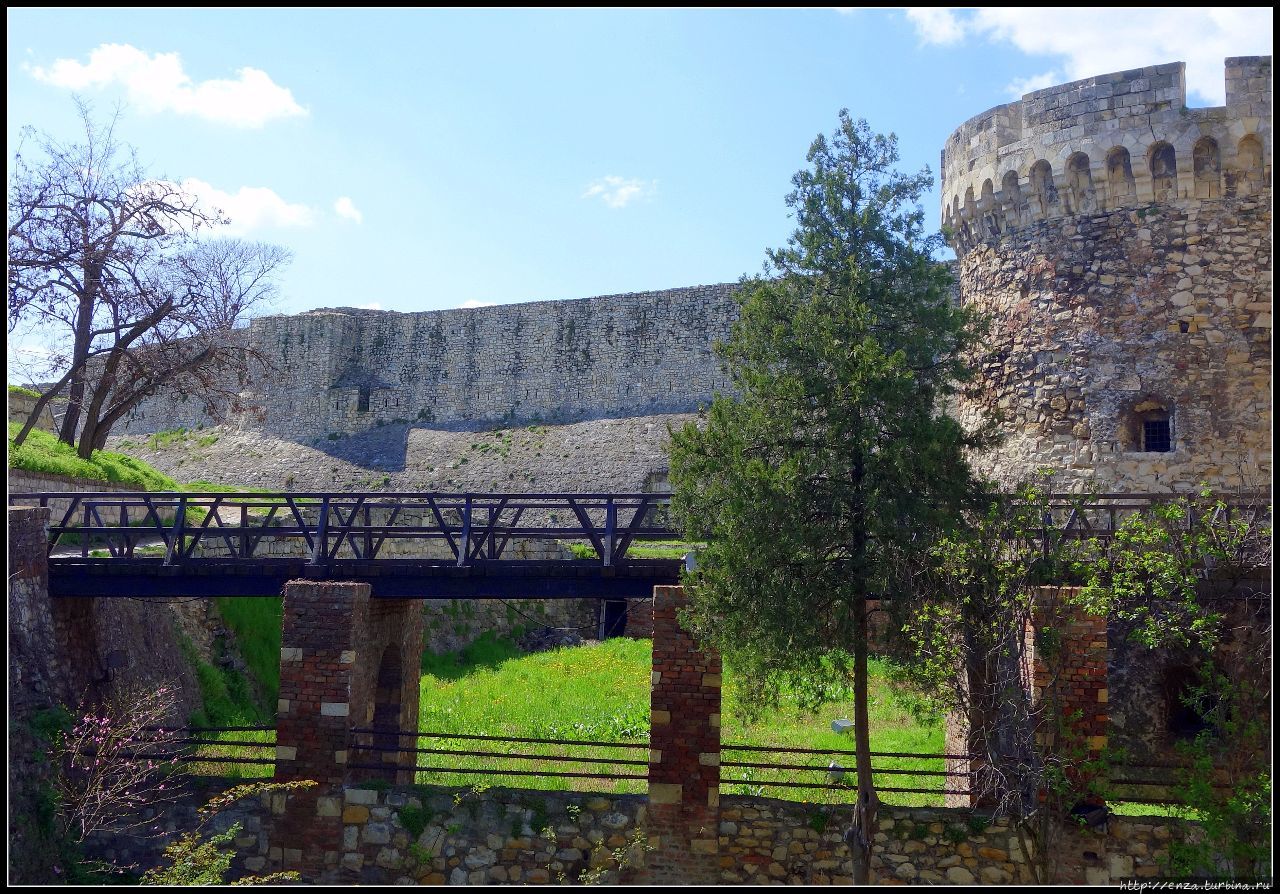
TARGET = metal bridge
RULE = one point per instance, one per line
(406, 545)
(421, 545)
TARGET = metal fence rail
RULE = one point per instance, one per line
(839, 777)
(371, 741)
(180, 747)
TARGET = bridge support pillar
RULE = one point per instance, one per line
(684, 757)
(347, 663)
(323, 622)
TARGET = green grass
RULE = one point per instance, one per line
(227, 697)
(43, 452)
(488, 651)
(19, 391)
(256, 622)
(659, 549)
(639, 549)
(1129, 808)
(601, 693)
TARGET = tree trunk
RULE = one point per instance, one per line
(41, 402)
(862, 834)
(91, 277)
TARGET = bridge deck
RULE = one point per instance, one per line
(389, 578)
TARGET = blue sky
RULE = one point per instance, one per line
(417, 160)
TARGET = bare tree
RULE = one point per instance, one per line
(105, 264)
(114, 761)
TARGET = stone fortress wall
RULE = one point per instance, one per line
(340, 371)
(1120, 244)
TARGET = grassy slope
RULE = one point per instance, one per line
(43, 452)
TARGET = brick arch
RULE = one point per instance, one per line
(384, 710)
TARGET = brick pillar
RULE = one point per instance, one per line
(639, 619)
(1066, 666)
(325, 624)
(1068, 652)
(684, 757)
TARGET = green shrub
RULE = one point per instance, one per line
(414, 820)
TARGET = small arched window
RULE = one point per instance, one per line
(1080, 183)
(987, 209)
(1119, 175)
(1163, 165)
(1208, 169)
(1010, 191)
(362, 399)
(1042, 189)
(1248, 174)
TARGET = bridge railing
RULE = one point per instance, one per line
(462, 529)
(457, 529)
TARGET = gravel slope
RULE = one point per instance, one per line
(613, 455)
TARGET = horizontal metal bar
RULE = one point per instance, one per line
(906, 754)
(473, 772)
(875, 770)
(517, 739)
(210, 729)
(542, 757)
(845, 788)
(195, 759)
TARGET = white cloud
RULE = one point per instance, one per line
(936, 24)
(1094, 42)
(618, 192)
(471, 302)
(250, 207)
(1020, 87)
(159, 84)
(347, 208)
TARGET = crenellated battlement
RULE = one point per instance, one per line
(1114, 141)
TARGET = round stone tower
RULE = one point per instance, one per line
(1120, 245)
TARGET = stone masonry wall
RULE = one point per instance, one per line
(21, 406)
(1118, 140)
(36, 682)
(345, 370)
(1099, 319)
(525, 836)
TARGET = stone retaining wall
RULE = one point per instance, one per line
(475, 836)
(22, 481)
